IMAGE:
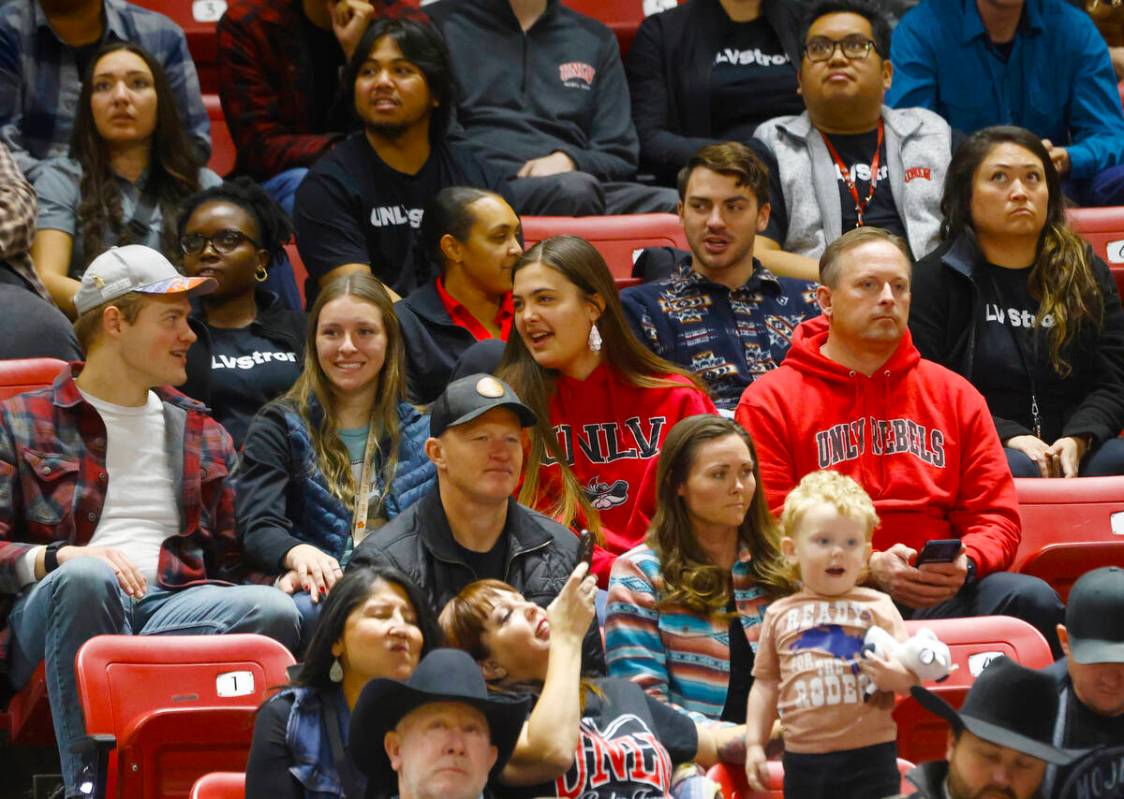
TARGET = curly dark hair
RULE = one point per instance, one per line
(879, 20)
(173, 172)
(273, 226)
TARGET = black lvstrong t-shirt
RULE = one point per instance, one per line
(354, 209)
(627, 749)
(247, 371)
(856, 151)
(1008, 360)
(752, 80)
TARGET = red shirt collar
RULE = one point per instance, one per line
(461, 315)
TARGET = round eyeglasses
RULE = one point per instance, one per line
(225, 241)
(855, 47)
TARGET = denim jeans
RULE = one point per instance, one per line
(81, 599)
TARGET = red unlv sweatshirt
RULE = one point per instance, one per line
(918, 437)
(610, 431)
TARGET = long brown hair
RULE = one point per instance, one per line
(390, 390)
(173, 171)
(689, 578)
(580, 263)
(1061, 278)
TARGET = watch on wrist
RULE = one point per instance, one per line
(51, 556)
(971, 578)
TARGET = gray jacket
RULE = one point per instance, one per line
(918, 149)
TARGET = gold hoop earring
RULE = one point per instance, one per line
(262, 274)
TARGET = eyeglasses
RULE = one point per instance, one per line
(855, 47)
(224, 241)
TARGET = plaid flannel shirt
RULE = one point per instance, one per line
(53, 484)
(266, 85)
(39, 80)
(17, 222)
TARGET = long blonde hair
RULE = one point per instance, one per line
(581, 264)
(390, 389)
(690, 580)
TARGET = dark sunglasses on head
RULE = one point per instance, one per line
(855, 47)
(224, 241)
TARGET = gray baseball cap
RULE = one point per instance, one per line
(1094, 617)
(134, 267)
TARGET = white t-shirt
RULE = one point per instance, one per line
(140, 508)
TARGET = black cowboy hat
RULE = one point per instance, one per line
(444, 675)
(1008, 705)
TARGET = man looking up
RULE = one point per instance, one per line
(360, 207)
(118, 515)
(847, 161)
(470, 527)
(854, 395)
(721, 314)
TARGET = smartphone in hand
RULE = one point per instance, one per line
(939, 550)
(585, 547)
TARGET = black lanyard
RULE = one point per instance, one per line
(1035, 416)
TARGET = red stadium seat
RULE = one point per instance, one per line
(18, 375)
(300, 274)
(173, 708)
(734, 785)
(220, 785)
(1069, 527)
(1103, 228)
(972, 643)
(618, 238)
(223, 151)
(198, 19)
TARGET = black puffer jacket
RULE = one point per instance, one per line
(942, 319)
(541, 554)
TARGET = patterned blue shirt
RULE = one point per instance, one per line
(728, 338)
(39, 80)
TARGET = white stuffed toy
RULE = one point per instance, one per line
(923, 654)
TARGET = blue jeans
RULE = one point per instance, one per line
(81, 599)
(1105, 461)
(282, 187)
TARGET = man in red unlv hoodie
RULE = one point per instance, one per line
(855, 396)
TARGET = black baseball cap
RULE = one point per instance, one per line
(1008, 705)
(465, 399)
(1094, 617)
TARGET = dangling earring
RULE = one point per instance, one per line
(335, 674)
(262, 274)
(594, 338)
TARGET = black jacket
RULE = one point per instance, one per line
(433, 342)
(559, 86)
(943, 320)
(541, 554)
(669, 66)
(274, 322)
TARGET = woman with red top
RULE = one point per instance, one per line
(471, 238)
(605, 403)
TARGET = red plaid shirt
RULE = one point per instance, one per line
(53, 483)
(266, 85)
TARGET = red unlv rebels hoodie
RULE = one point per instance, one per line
(915, 435)
(610, 431)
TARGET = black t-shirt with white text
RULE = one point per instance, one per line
(752, 81)
(1007, 357)
(354, 209)
(247, 371)
(856, 152)
(627, 748)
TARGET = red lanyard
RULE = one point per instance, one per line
(860, 205)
